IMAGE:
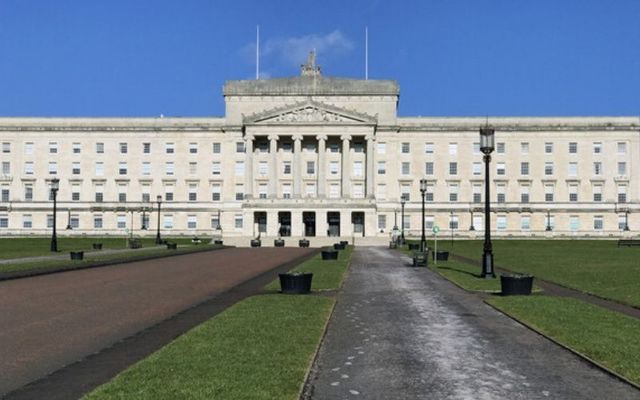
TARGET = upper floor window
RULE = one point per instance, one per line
(146, 148)
(216, 148)
(548, 147)
(573, 147)
(193, 148)
(381, 148)
(169, 148)
(453, 149)
(597, 147)
(6, 147)
(53, 147)
(622, 147)
(99, 148)
(453, 168)
(124, 148)
(524, 147)
(28, 148)
(500, 147)
(406, 148)
(428, 148)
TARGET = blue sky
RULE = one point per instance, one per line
(450, 57)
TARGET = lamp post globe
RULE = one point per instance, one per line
(159, 201)
(487, 145)
(55, 185)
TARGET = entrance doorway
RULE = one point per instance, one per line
(309, 220)
(284, 220)
(260, 218)
(357, 219)
(333, 221)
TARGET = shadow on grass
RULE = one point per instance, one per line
(460, 271)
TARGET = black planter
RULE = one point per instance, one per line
(256, 243)
(413, 246)
(278, 243)
(295, 283)
(420, 259)
(344, 243)
(516, 284)
(76, 255)
(97, 246)
(217, 241)
(338, 246)
(329, 254)
(441, 255)
(303, 243)
(134, 244)
(172, 246)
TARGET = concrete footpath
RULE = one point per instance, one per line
(406, 333)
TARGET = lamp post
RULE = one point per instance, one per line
(395, 219)
(144, 219)
(69, 227)
(55, 185)
(219, 226)
(487, 144)
(626, 220)
(548, 228)
(451, 225)
(159, 200)
(423, 191)
(472, 228)
(403, 201)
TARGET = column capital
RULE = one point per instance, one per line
(274, 136)
(321, 137)
(345, 137)
(296, 137)
(249, 137)
(370, 136)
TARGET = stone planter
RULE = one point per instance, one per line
(329, 254)
(278, 243)
(97, 246)
(441, 255)
(338, 246)
(218, 241)
(256, 243)
(172, 246)
(303, 243)
(516, 284)
(295, 283)
(76, 255)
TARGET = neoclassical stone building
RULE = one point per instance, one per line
(318, 156)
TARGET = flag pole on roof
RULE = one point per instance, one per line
(257, 51)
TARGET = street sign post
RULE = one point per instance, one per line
(435, 231)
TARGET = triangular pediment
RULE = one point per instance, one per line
(310, 112)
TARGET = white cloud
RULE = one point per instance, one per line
(293, 51)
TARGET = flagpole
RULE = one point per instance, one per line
(257, 51)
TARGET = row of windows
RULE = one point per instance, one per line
(122, 221)
(501, 148)
(122, 147)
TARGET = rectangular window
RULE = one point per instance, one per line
(597, 147)
(501, 193)
(4, 221)
(76, 148)
(75, 221)
(28, 168)
(310, 190)
(405, 192)
(192, 222)
(99, 148)
(573, 169)
(238, 221)
(167, 222)
(453, 149)
(500, 168)
(548, 193)
(382, 222)
(573, 193)
(382, 168)
(124, 148)
(122, 193)
(193, 168)
(334, 148)
(49, 220)
(239, 170)
(169, 148)
(477, 168)
(146, 168)
(500, 147)
(28, 192)
(27, 221)
(215, 168)
(358, 147)
(428, 148)
(597, 193)
(406, 222)
(99, 194)
(573, 147)
(357, 168)
(524, 147)
(75, 192)
(122, 168)
(622, 222)
(477, 193)
(215, 222)
(453, 192)
(28, 148)
(75, 168)
(574, 223)
(168, 168)
(381, 192)
(501, 222)
(525, 222)
(4, 194)
(428, 195)
(428, 222)
(524, 168)
(598, 223)
(239, 191)
(193, 148)
(263, 168)
(476, 147)
(262, 191)
(121, 221)
(53, 168)
(286, 167)
(6, 147)
(622, 148)
(146, 193)
(622, 194)
(53, 147)
(146, 148)
(453, 168)
(6, 168)
(406, 148)
(524, 194)
(216, 189)
(597, 168)
(358, 191)
(453, 222)
(548, 168)
(286, 190)
(333, 168)
(311, 167)
(193, 192)
(216, 148)
(240, 147)
(381, 148)
(168, 192)
(99, 169)
(428, 168)
(548, 148)
(406, 168)
(622, 168)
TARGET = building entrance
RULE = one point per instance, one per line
(260, 219)
(333, 221)
(357, 219)
(309, 220)
(284, 221)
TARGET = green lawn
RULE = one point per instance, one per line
(466, 276)
(327, 275)
(260, 348)
(40, 246)
(607, 337)
(593, 266)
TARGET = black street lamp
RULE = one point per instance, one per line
(403, 201)
(472, 228)
(144, 219)
(423, 191)
(395, 219)
(487, 144)
(219, 226)
(158, 240)
(69, 227)
(55, 185)
(548, 228)
(626, 220)
(452, 226)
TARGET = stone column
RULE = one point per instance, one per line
(346, 168)
(297, 167)
(322, 168)
(248, 167)
(273, 179)
(370, 172)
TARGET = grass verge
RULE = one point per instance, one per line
(466, 276)
(258, 349)
(606, 337)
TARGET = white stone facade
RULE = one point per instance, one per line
(315, 156)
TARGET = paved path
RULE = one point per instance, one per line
(405, 333)
(50, 321)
